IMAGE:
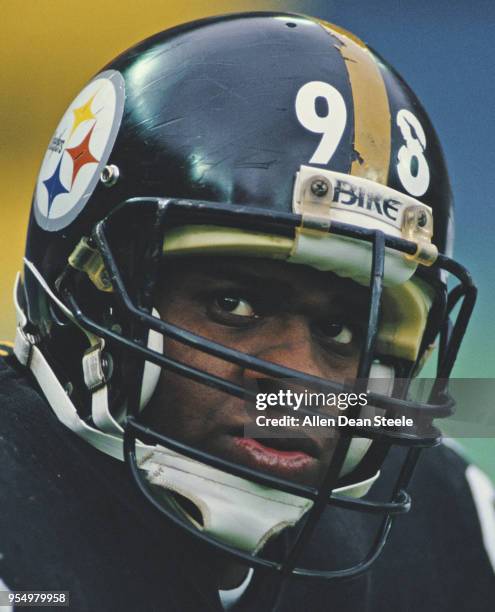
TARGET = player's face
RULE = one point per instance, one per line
(287, 314)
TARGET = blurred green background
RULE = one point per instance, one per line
(445, 50)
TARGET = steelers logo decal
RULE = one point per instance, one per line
(78, 151)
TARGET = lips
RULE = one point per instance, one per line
(294, 463)
(290, 445)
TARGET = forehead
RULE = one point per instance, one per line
(268, 275)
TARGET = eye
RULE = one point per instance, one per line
(338, 332)
(235, 305)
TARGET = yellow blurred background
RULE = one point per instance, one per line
(49, 49)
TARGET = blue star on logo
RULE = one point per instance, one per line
(54, 186)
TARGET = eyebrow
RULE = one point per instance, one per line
(270, 286)
(224, 270)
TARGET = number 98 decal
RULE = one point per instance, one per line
(412, 166)
(331, 126)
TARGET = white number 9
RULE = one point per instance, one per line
(331, 126)
(412, 166)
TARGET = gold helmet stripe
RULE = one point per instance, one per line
(372, 130)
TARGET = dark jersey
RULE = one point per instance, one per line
(72, 520)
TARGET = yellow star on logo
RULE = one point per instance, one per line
(82, 113)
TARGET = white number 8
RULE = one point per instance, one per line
(412, 167)
(331, 126)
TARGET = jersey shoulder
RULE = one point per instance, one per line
(71, 518)
(439, 556)
(478, 489)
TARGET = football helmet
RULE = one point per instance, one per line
(262, 134)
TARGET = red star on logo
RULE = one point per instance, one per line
(81, 155)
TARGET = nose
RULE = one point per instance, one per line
(290, 345)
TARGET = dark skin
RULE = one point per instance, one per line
(290, 315)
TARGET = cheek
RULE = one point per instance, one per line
(186, 409)
(349, 369)
(201, 361)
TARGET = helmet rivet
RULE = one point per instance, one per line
(109, 175)
(319, 188)
(422, 218)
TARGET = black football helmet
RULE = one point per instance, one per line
(259, 134)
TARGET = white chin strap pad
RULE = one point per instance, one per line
(234, 510)
(151, 373)
(243, 514)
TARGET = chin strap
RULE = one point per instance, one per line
(96, 380)
(234, 510)
(95, 374)
(30, 356)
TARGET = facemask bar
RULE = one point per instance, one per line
(434, 410)
(322, 496)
